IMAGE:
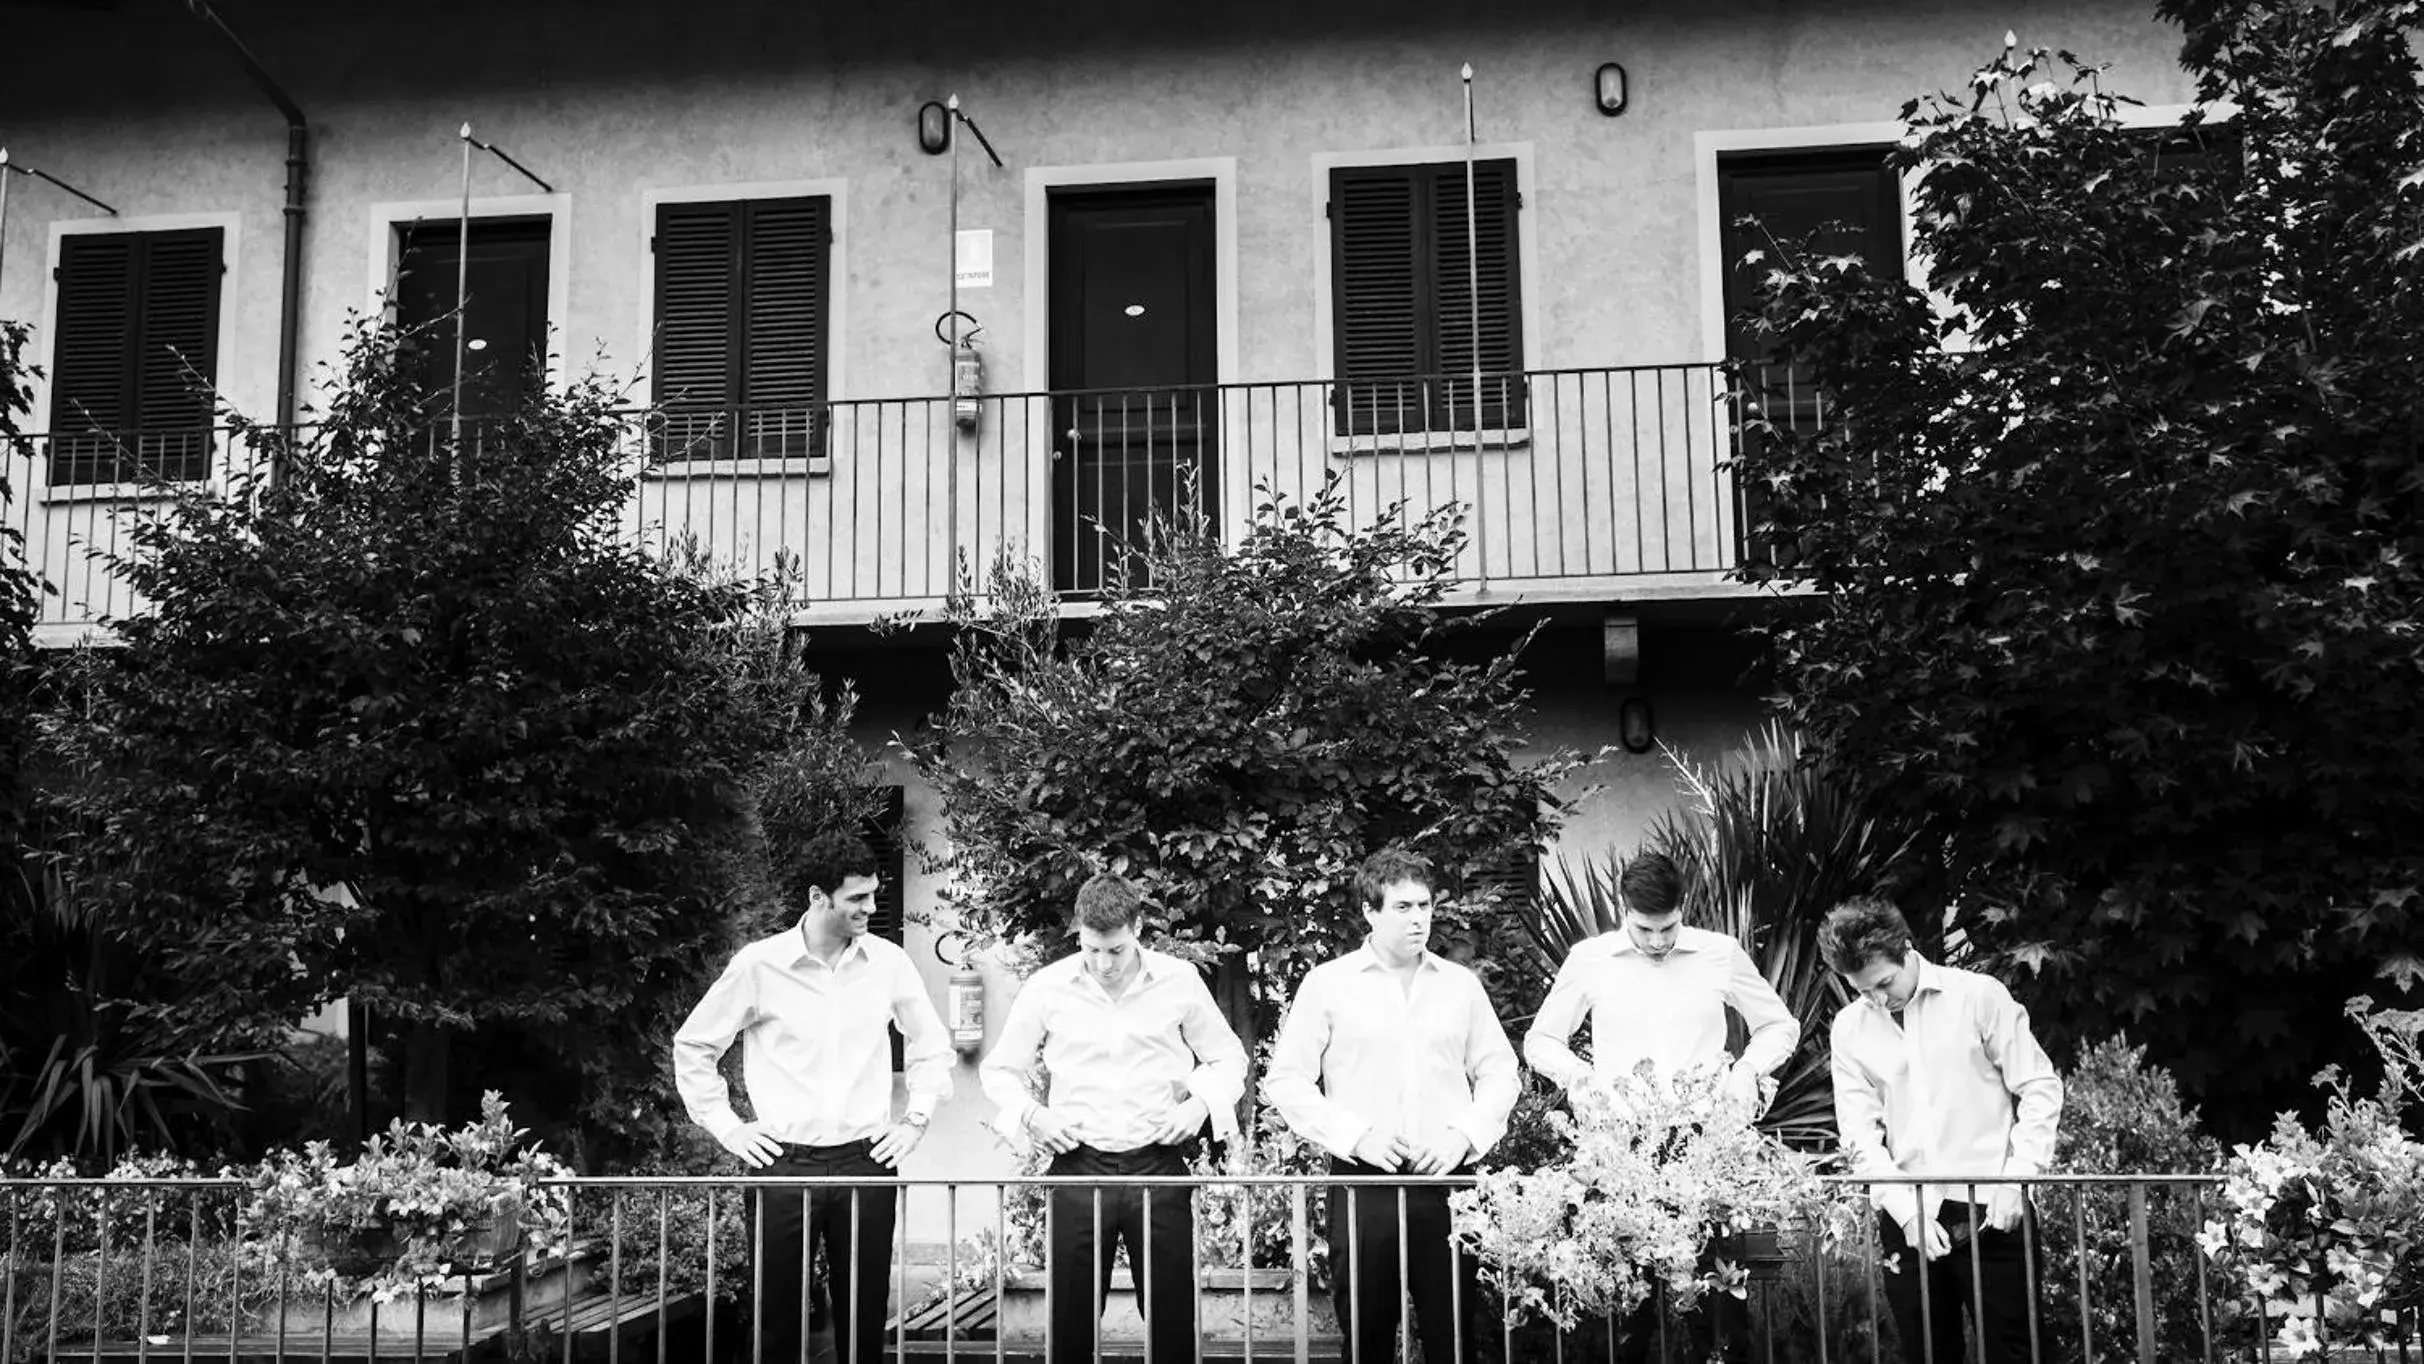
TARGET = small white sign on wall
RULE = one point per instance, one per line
(972, 258)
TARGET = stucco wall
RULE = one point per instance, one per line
(607, 101)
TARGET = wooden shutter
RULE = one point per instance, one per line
(887, 834)
(783, 259)
(741, 341)
(1489, 274)
(1404, 288)
(137, 346)
(1380, 311)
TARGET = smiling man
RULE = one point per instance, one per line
(1132, 1058)
(1937, 1073)
(1392, 1060)
(811, 1006)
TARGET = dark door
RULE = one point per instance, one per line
(1132, 366)
(504, 311)
(1836, 202)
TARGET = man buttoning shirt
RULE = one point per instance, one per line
(1392, 1060)
(1132, 1057)
(1937, 1073)
(810, 1006)
(1657, 991)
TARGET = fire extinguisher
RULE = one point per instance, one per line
(964, 997)
(967, 370)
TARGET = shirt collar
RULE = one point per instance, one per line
(802, 956)
(1363, 958)
(1624, 942)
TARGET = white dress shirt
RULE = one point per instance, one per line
(1113, 1068)
(1667, 1010)
(1363, 1047)
(1961, 1088)
(814, 1054)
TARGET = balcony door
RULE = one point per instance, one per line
(504, 311)
(1132, 364)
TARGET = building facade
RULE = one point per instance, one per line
(1224, 247)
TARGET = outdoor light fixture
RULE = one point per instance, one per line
(1607, 89)
(1636, 727)
(933, 128)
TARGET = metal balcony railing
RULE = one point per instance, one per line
(1569, 482)
(677, 1268)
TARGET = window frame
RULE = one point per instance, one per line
(835, 192)
(1528, 293)
(225, 361)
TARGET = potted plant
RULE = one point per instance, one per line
(2322, 1230)
(1669, 1187)
(420, 1203)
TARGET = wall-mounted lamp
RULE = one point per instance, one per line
(933, 128)
(1608, 90)
(1636, 728)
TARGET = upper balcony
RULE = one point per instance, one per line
(1575, 485)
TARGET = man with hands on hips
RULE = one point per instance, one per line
(812, 1007)
(1938, 1073)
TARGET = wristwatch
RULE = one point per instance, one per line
(917, 1119)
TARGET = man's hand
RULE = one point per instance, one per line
(898, 1140)
(2005, 1205)
(1932, 1240)
(1437, 1157)
(1746, 1088)
(1179, 1122)
(1050, 1133)
(1376, 1149)
(752, 1144)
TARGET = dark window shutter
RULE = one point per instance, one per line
(1488, 274)
(697, 250)
(783, 260)
(887, 835)
(1380, 311)
(137, 331)
(1403, 293)
(741, 340)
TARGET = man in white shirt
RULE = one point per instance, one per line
(1392, 1060)
(1937, 1073)
(1657, 990)
(1131, 1058)
(811, 1006)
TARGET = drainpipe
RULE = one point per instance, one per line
(290, 282)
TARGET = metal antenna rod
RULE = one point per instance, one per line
(7, 168)
(463, 260)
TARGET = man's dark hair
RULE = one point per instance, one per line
(1108, 902)
(824, 862)
(1863, 929)
(1387, 868)
(1651, 885)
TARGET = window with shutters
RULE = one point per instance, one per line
(741, 339)
(1427, 302)
(134, 353)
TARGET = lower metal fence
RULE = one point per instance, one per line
(1300, 1267)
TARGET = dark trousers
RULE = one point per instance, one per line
(1365, 1281)
(1162, 1272)
(1997, 1296)
(854, 1228)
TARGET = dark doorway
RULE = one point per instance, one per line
(504, 311)
(1133, 368)
(1842, 202)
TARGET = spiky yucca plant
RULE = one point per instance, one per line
(1766, 843)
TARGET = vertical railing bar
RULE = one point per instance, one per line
(2205, 1315)
(151, 1245)
(614, 1271)
(848, 1349)
(2142, 1275)
(665, 1261)
(757, 1280)
(2028, 1278)
(1001, 1261)
(420, 1326)
(951, 1300)
(1817, 1253)
(1871, 1242)
(1691, 498)
(2087, 1339)
(572, 1214)
(101, 1261)
(8, 1282)
(1354, 1324)
(1919, 1260)
(1300, 1262)
(1098, 1267)
(1245, 1224)
(900, 1214)
(1405, 1282)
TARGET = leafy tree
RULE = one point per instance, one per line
(1236, 731)
(20, 592)
(412, 724)
(2117, 531)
